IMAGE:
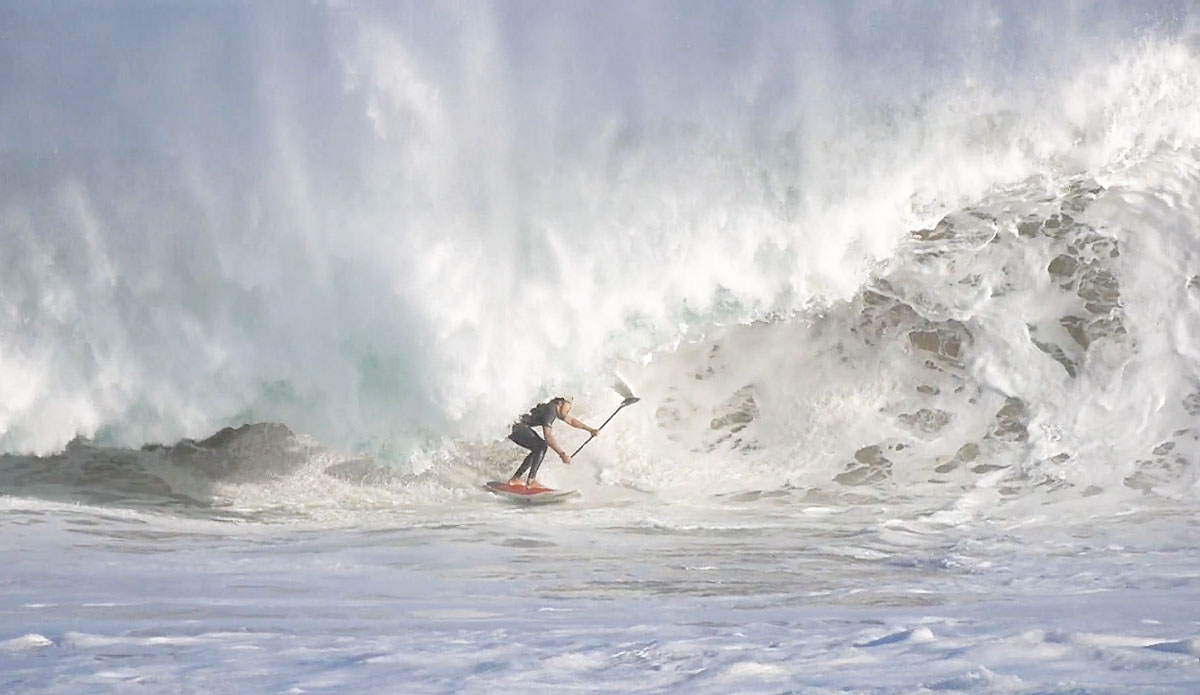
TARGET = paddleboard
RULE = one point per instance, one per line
(528, 495)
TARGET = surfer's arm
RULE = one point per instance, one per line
(549, 435)
(580, 426)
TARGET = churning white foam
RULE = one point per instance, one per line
(446, 219)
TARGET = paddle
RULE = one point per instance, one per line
(622, 388)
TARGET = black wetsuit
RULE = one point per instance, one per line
(542, 415)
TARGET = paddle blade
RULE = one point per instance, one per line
(621, 387)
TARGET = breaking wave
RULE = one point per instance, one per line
(829, 262)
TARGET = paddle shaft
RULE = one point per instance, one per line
(624, 403)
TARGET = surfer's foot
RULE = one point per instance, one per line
(516, 482)
(532, 483)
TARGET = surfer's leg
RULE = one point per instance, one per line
(523, 435)
(537, 455)
(515, 478)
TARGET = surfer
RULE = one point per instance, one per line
(542, 415)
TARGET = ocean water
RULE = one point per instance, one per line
(910, 295)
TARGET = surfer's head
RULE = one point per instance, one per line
(562, 405)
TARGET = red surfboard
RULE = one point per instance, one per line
(528, 495)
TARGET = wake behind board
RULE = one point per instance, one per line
(528, 495)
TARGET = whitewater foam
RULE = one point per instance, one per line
(980, 294)
(463, 237)
(909, 295)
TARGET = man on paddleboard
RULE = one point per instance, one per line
(542, 415)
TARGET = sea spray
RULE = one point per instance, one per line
(392, 228)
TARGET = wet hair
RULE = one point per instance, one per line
(559, 399)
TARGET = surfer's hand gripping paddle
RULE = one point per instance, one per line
(622, 388)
